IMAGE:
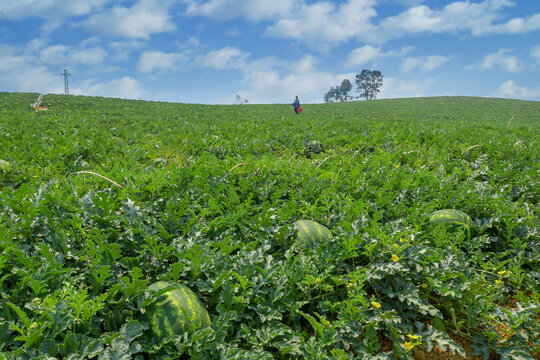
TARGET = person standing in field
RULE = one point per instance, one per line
(296, 105)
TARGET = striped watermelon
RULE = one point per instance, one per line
(5, 166)
(173, 312)
(455, 219)
(311, 233)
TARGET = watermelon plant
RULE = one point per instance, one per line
(107, 197)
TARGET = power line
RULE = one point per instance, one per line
(33, 50)
(16, 31)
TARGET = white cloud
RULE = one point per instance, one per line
(145, 18)
(273, 86)
(251, 10)
(518, 25)
(503, 60)
(325, 24)
(125, 88)
(49, 9)
(424, 63)
(478, 18)
(394, 88)
(509, 89)
(152, 60)
(61, 54)
(225, 58)
(369, 53)
(273, 80)
(121, 50)
(53, 12)
(363, 55)
(20, 72)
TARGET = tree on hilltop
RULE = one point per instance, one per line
(369, 82)
(339, 93)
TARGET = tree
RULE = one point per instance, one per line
(344, 89)
(240, 101)
(331, 95)
(369, 82)
(339, 93)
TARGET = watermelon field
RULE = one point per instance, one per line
(103, 202)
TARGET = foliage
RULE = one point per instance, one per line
(368, 83)
(208, 199)
(339, 93)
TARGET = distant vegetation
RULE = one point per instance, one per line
(101, 198)
(368, 84)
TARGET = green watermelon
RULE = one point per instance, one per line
(455, 219)
(173, 312)
(5, 166)
(315, 147)
(310, 233)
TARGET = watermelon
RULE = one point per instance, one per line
(454, 219)
(175, 311)
(310, 233)
(5, 166)
(315, 147)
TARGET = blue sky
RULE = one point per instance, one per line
(268, 51)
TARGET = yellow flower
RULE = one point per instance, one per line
(395, 257)
(413, 337)
(376, 304)
(502, 272)
(408, 345)
(396, 246)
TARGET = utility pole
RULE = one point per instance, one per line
(66, 83)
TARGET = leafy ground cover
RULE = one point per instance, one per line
(207, 196)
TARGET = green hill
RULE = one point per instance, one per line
(103, 197)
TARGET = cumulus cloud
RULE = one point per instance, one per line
(363, 55)
(122, 50)
(145, 18)
(275, 80)
(20, 9)
(61, 54)
(424, 63)
(478, 18)
(276, 86)
(395, 88)
(53, 12)
(517, 25)
(152, 60)
(225, 58)
(369, 53)
(20, 72)
(502, 59)
(509, 89)
(324, 24)
(252, 10)
(125, 88)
